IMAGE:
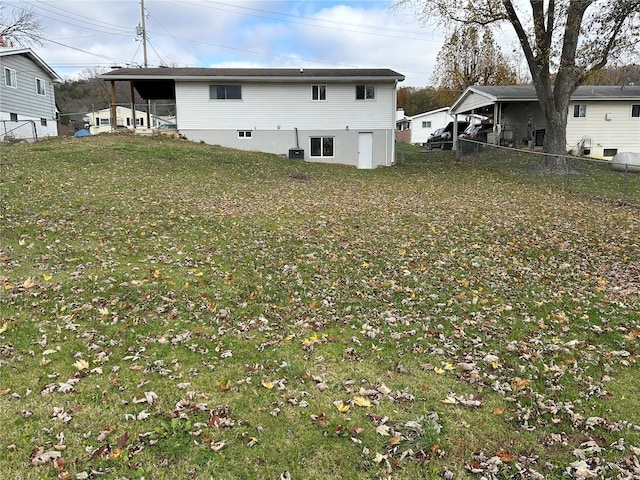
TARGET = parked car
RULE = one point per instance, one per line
(476, 132)
(443, 137)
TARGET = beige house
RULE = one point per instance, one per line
(100, 121)
(602, 120)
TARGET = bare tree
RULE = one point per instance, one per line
(564, 42)
(19, 27)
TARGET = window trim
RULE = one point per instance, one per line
(40, 81)
(580, 110)
(635, 108)
(10, 77)
(319, 93)
(322, 145)
(226, 87)
(365, 92)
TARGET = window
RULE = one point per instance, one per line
(318, 92)
(13, 117)
(10, 78)
(609, 152)
(635, 111)
(104, 121)
(225, 92)
(244, 133)
(43, 122)
(40, 87)
(322, 146)
(579, 111)
(365, 92)
(426, 124)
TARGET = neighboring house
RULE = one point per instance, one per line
(27, 100)
(602, 120)
(100, 120)
(344, 116)
(422, 125)
(418, 128)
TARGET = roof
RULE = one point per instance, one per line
(527, 93)
(431, 112)
(281, 74)
(27, 52)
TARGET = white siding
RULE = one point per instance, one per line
(437, 119)
(271, 106)
(273, 111)
(620, 131)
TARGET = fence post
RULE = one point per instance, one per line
(624, 187)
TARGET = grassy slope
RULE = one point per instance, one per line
(170, 309)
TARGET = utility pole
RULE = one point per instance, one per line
(144, 33)
(144, 53)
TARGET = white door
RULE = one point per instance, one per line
(365, 150)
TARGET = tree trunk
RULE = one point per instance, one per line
(555, 139)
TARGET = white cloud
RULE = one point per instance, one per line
(251, 33)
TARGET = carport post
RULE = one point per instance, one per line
(133, 106)
(114, 111)
(455, 135)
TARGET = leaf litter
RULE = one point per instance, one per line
(224, 293)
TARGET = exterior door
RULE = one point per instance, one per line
(365, 150)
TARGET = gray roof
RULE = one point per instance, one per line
(256, 74)
(523, 93)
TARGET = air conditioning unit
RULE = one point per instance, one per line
(296, 153)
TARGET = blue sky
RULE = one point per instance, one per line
(84, 34)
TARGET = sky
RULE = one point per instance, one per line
(89, 34)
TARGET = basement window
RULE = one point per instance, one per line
(609, 152)
(244, 133)
(43, 122)
(321, 146)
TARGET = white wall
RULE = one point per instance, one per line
(269, 105)
(272, 112)
(420, 134)
(620, 131)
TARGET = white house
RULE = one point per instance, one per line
(344, 116)
(422, 125)
(27, 99)
(100, 121)
(602, 120)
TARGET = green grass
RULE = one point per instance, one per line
(177, 310)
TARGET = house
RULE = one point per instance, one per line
(602, 120)
(27, 99)
(100, 121)
(422, 125)
(344, 116)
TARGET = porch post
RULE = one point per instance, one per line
(114, 111)
(133, 106)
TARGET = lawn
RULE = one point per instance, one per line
(171, 309)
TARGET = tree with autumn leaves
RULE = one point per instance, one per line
(564, 42)
(470, 56)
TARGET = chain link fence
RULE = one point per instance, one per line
(595, 178)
